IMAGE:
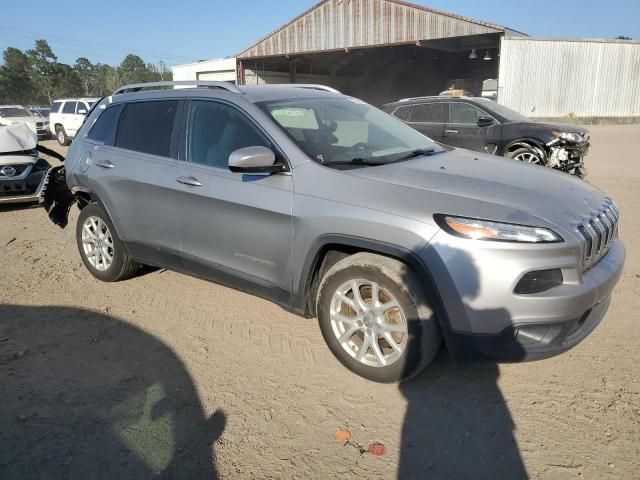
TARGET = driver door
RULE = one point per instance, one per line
(462, 130)
(234, 228)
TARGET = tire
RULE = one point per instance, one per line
(62, 137)
(100, 238)
(526, 155)
(411, 324)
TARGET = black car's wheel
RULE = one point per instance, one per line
(375, 318)
(526, 155)
(101, 250)
(62, 137)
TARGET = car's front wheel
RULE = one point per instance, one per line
(375, 318)
(526, 155)
(101, 250)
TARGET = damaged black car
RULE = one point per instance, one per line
(483, 125)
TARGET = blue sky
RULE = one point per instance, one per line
(181, 32)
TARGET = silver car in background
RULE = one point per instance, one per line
(336, 210)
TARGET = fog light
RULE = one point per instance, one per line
(539, 281)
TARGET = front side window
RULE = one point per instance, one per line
(346, 130)
(69, 107)
(147, 127)
(428, 113)
(463, 113)
(215, 130)
(82, 106)
(105, 126)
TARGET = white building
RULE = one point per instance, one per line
(219, 69)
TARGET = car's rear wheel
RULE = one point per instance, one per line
(375, 318)
(526, 155)
(62, 137)
(101, 250)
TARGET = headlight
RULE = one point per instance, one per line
(569, 136)
(475, 229)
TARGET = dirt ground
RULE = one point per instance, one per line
(169, 376)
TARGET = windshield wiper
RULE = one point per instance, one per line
(416, 153)
(353, 161)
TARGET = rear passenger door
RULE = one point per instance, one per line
(428, 119)
(134, 176)
(234, 228)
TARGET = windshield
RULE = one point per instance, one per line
(506, 113)
(14, 112)
(346, 130)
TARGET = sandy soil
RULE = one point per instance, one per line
(165, 375)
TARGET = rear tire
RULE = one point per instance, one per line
(375, 318)
(101, 250)
(62, 137)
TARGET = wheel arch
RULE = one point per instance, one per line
(329, 249)
(526, 142)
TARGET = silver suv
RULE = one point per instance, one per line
(336, 210)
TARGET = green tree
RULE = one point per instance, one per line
(44, 64)
(16, 85)
(133, 70)
(87, 75)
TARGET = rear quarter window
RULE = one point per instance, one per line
(147, 127)
(403, 113)
(55, 107)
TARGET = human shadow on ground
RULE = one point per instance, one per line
(85, 395)
(457, 423)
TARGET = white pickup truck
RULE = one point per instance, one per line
(66, 117)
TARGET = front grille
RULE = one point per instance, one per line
(598, 233)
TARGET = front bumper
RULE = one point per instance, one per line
(485, 317)
(27, 190)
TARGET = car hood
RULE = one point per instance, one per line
(13, 120)
(461, 182)
(549, 126)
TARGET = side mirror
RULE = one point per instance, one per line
(254, 161)
(485, 121)
(82, 112)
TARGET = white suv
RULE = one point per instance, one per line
(67, 116)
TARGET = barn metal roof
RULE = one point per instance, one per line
(344, 24)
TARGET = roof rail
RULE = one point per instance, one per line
(136, 87)
(310, 86)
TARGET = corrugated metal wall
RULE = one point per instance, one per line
(557, 78)
(339, 24)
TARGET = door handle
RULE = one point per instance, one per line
(190, 181)
(104, 164)
(451, 131)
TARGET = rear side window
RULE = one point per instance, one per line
(428, 113)
(69, 107)
(147, 127)
(403, 113)
(105, 126)
(55, 107)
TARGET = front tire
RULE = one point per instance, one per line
(526, 155)
(101, 250)
(375, 318)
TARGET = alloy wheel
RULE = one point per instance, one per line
(97, 243)
(528, 157)
(369, 323)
